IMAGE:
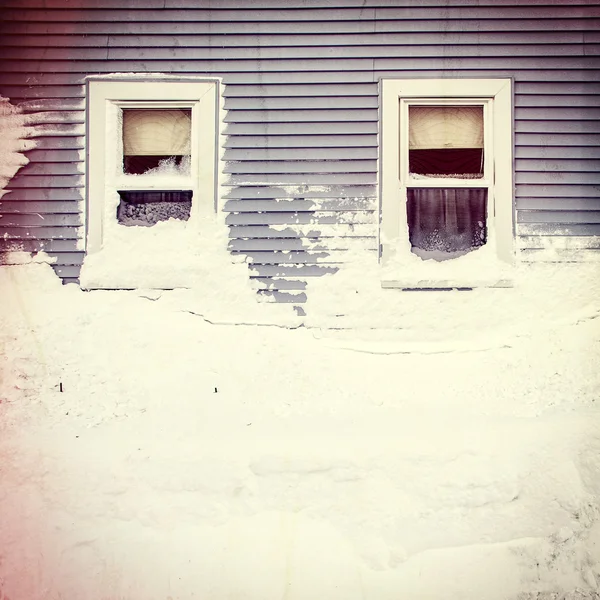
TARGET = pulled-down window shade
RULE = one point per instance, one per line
(433, 127)
(151, 132)
(442, 220)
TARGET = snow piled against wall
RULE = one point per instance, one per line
(353, 300)
(189, 255)
(147, 454)
(13, 142)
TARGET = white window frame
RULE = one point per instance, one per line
(106, 98)
(495, 95)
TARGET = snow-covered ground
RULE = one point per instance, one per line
(147, 454)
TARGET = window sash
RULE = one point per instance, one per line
(407, 180)
(143, 181)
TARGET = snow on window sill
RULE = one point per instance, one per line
(475, 269)
(154, 182)
(457, 176)
(444, 284)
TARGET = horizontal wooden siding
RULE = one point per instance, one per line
(301, 99)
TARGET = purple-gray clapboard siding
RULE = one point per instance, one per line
(301, 98)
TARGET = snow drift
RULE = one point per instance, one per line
(147, 454)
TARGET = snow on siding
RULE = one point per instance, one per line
(301, 121)
(13, 142)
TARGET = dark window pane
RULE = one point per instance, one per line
(446, 221)
(147, 208)
(464, 163)
(137, 165)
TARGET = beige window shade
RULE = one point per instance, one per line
(435, 127)
(156, 132)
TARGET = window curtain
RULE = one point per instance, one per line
(447, 220)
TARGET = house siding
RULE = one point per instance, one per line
(301, 102)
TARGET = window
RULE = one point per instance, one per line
(446, 175)
(151, 153)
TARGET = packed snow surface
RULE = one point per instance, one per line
(147, 454)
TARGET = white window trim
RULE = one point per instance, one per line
(105, 98)
(496, 96)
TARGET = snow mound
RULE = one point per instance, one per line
(147, 454)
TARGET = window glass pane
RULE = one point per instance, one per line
(445, 141)
(445, 223)
(149, 207)
(157, 141)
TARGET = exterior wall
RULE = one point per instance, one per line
(301, 121)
